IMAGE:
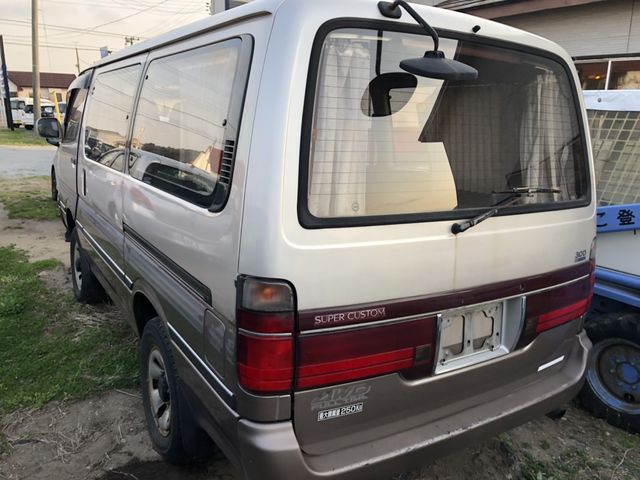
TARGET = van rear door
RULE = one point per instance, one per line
(401, 322)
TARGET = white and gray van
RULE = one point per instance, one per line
(17, 110)
(352, 236)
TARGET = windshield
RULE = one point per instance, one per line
(28, 109)
(385, 142)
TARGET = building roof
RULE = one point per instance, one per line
(47, 79)
(505, 8)
(464, 4)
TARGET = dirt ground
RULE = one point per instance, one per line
(43, 239)
(105, 437)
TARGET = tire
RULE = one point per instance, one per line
(86, 287)
(16, 125)
(174, 434)
(28, 127)
(54, 186)
(612, 387)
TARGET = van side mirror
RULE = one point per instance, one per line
(49, 128)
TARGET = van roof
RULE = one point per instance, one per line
(243, 12)
(259, 8)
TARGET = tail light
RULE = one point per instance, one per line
(342, 356)
(265, 344)
(557, 306)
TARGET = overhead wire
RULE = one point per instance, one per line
(83, 31)
(58, 27)
(71, 33)
(171, 24)
(177, 7)
(61, 47)
(44, 26)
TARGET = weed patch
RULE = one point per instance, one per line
(40, 363)
(29, 205)
(21, 136)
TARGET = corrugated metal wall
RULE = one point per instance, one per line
(604, 28)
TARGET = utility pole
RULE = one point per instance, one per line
(35, 56)
(77, 60)
(5, 81)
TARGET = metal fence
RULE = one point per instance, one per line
(615, 137)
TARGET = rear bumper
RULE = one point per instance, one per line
(271, 451)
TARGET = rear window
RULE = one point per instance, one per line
(385, 145)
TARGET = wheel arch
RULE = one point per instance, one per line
(69, 220)
(145, 305)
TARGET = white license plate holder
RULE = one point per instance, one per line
(470, 335)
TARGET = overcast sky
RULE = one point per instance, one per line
(65, 24)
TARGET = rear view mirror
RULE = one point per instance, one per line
(396, 87)
(435, 65)
(49, 128)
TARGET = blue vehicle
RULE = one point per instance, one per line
(612, 387)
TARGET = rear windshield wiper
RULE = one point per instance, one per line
(514, 195)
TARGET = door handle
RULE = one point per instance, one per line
(73, 160)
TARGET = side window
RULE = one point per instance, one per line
(179, 136)
(109, 110)
(73, 120)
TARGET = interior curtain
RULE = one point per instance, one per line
(341, 131)
(544, 145)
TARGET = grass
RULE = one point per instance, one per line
(20, 136)
(571, 461)
(46, 353)
(29, 204)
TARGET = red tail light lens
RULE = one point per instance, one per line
(560, 305)
(336, 357)
(265, 363)
(265, 343)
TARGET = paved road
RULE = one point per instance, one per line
(25, 161)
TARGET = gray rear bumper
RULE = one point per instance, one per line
(271, 451)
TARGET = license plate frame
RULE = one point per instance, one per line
(470, 335)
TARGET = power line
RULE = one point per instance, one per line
(61, 27)
(61, 47)
(166, 26)
(46, 39)
(177, 8)
(126, 16)
(86, 30)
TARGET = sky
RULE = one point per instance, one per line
(87, 25)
